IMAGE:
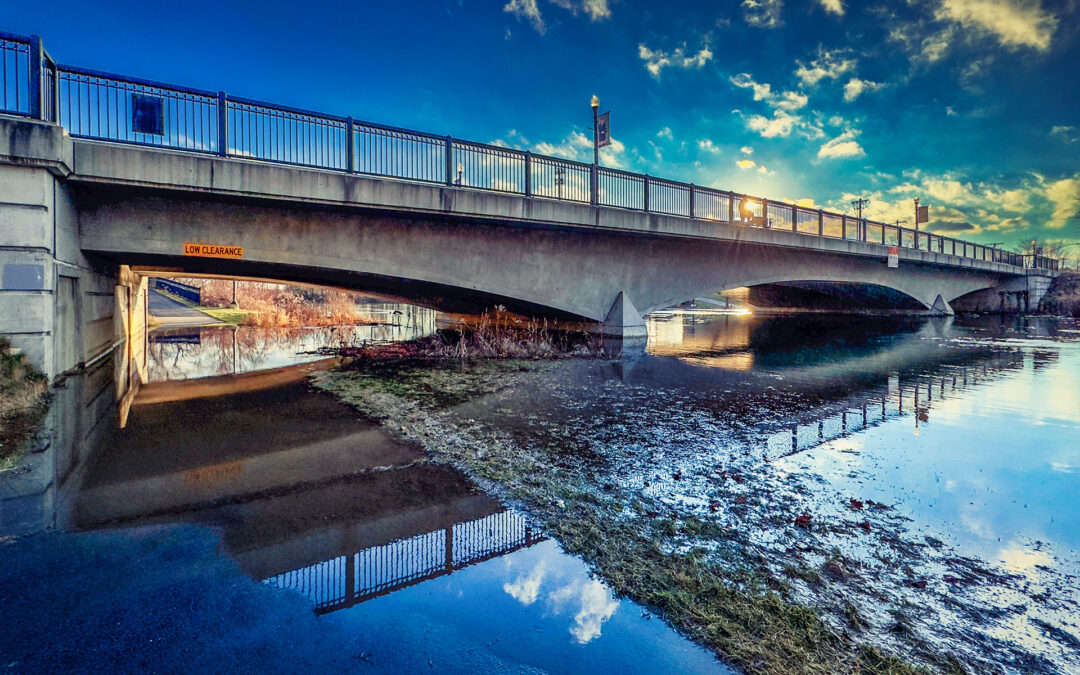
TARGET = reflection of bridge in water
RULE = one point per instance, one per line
(897, 399)
(349, 579)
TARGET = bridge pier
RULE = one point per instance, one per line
(623, 320)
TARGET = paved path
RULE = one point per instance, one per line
(173, 314)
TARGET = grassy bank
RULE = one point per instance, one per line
(703, 578)
(24, 400)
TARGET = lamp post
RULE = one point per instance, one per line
(595, 103)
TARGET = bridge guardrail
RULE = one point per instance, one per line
(120, 109)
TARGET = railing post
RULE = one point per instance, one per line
(56, 92)
(691, 200)
(528, 174)
(449, 160)
(223, 124)
(350, 578)
(37, 110)
(843, 226)
(645, 187)
(794, 218)
(731, 207)
(820, 223)
(349, 160)
(765, 214)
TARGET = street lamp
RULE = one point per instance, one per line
(595, 103)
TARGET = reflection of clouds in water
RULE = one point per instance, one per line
(1023, 561)
(976, 523)
(526, 588)
(597, 606)
(593, 601)
(1063, 467)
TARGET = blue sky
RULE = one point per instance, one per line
(971, 105)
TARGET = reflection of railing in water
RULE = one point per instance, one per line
(379, 570)
(900, 400)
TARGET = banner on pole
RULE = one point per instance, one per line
(922, 214)
(603, 130)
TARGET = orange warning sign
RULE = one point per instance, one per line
(214, 250)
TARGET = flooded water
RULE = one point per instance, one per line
(430, 572)
(933, 464)
(938, 460)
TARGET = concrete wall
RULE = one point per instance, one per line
(58, 307)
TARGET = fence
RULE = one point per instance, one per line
(103, 106)
(189, 293)
(346, 580)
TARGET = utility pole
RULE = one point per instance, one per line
(859, 204)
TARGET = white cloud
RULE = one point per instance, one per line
(763, 13)
(960, 206)
(781, 104)
(578, 146)
(656, 60)
(828, 64)
(780, 124)
(594, 9)
(707, 145)
(1065, 132)
(762, 92)
(527, 9)
(665, 133)
(746, 164)
(842, 146)
(1014, 23)
(833, 6)
(791, 100)
(1063, 195)
(856, 87)
(597, 9)
(746, 150)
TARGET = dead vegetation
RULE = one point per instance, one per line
(281, 305)
(494, 335)
(1063, 298)
(24, 400)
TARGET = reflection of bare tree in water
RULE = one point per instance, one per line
(223, 350)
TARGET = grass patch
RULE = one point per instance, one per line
(236, 317)
(24, 400)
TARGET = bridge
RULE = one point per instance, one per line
(105, 177)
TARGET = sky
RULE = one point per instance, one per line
(973, 106)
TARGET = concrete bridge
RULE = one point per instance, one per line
(101, 173)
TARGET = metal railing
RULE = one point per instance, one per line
(103, 106)
(349, 579)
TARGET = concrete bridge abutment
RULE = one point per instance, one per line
(69, 314)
